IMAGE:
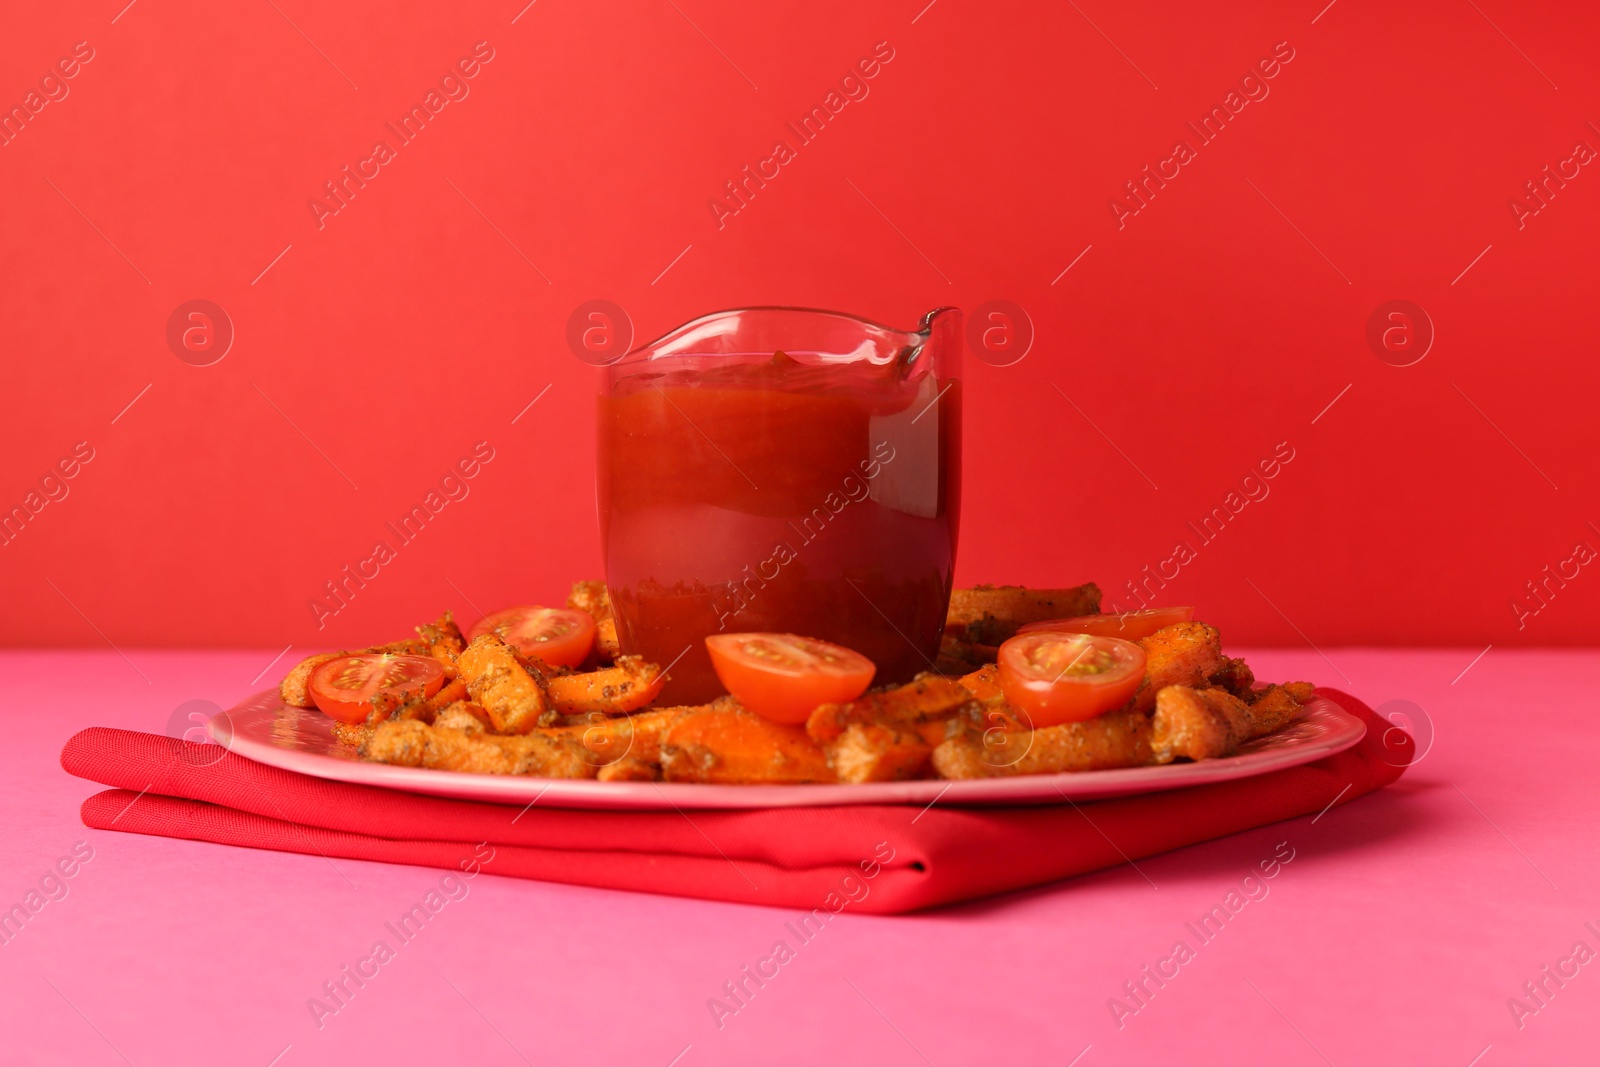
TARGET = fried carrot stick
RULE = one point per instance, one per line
(926, 700)
(593, 597)
(887, 735)
(627, 685)
(725, 744)
(1206, 723)
(1116, 739)
(413, 743)
(503, 684)
(1186, 653)
(989, 614)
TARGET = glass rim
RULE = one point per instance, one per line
(913, 338)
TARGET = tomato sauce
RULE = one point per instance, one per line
(776, 496)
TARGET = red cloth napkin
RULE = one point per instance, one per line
(885, 859)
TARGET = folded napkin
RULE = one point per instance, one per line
(884, 859)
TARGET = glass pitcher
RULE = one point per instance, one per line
(782, 470)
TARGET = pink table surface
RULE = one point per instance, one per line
(1397, 933)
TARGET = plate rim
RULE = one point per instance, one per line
(1345, 732)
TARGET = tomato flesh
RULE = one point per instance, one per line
(783, 677)
(343, 688)
(1128, 625)
(560, 637)
(1054, 678)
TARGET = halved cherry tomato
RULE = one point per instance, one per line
(783, 677)
(1056, 678)
(561, 637)
(343, 687)
(1128, 625)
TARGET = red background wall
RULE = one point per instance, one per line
(1217, 322)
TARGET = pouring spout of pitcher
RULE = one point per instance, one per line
(937, 342)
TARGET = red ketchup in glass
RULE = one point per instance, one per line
(776, 469)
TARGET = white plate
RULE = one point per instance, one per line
(264, 729)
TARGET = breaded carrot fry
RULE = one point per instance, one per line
(449, 693)
(629, 769)
(1301, 691)
(593, 597)
(412, 743)
(627, 685)
(444, 641)
(605, 639)
(726, 745)
(957, 655)
(876, 752)
(1187, 653)
(1235, 676)
(990, 713)
(1276, 706)
(503, 684)
(989, 614)
(984, 682)
(612, 738)
(1115, 739)
(887, 735)
(928, 698)
(1195, 723)
(463, 715)
(1207, 723)
(416, 706)
(951, 661)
